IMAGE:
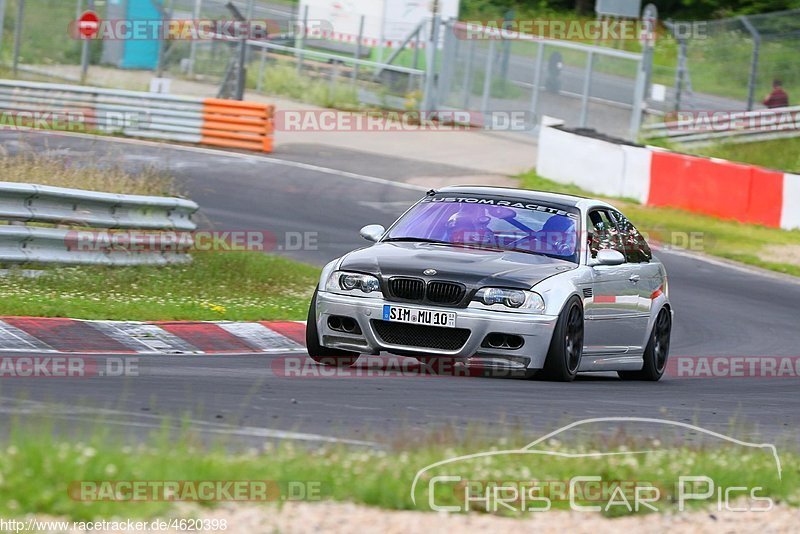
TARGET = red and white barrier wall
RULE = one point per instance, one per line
(658, 177)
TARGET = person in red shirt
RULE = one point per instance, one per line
(778, 97)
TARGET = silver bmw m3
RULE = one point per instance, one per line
(495, 278)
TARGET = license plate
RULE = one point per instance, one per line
(401, 314)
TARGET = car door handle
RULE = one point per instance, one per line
(635, 278)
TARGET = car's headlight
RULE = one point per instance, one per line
(340, 281)
(510, 298)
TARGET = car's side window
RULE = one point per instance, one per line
(635, 246)
(603, 233)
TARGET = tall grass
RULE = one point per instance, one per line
(33, 168)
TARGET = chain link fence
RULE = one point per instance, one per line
(730, 64)
(583, 85)
(436, 67)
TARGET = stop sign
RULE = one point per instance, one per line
(88, 24)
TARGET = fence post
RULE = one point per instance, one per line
(487, 80)
(429, 98)
(262, 65)
(18, 34)
(198, 6)
(468, 74)
(638, 99)
(2, 20)
(587, 86)
(358, 48)
(537, 81)
(300, 44)
(449, 58)
(751, 86)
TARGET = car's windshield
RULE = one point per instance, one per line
(486, 222)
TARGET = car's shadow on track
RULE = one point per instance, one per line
(391, 365)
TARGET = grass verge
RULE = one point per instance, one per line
(234, 286)
(39, 470)
(780, 154)
(217, 285)
(769, 248)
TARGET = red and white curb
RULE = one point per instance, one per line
(43, 334)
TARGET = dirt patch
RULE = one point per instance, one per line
(781, 254)
(341, 518)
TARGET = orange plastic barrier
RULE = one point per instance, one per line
(720, 188)
(236, 124)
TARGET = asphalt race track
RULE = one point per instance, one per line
(720, 311)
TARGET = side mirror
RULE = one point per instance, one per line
(372, 232)
(608, 256)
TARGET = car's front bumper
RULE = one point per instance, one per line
(535, 330)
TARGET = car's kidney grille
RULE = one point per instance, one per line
(421, 336)
(407, 288)
(445, 292)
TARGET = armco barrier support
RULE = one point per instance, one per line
(658, 177)
(234, 124)
(217, 122)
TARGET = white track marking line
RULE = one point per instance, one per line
(237, 155)
(720, 262)
(28, 407)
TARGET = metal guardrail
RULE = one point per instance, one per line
(209, 121)
(733, 127)
(84, 210)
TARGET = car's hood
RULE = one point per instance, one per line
(470, 266)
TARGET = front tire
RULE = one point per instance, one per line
(319, 353)
(566, 347)
(657, 351)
